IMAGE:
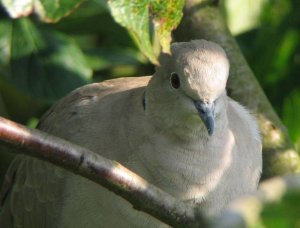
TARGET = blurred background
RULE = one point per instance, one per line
(41, 62)
(268, 32)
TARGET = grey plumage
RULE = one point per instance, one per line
(182, 134)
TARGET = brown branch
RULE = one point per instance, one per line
(110, 174)
(203, 19)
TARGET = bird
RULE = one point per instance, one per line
(177, 129)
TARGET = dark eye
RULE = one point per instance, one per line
(175, 82)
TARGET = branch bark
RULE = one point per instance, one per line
(110, 174)
(203, 19)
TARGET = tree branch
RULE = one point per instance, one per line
(203, 19)
(110, 174)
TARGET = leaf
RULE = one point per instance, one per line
(290, 114)
(107, 58)
(5, 42)
(135, 16)
(18, 8)
(166, 17)
(47, 10)
(44, 64)
(284, 213)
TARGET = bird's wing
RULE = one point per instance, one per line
(32, 193)
(247, 140)
(92, 115)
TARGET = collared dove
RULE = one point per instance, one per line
(178, 130)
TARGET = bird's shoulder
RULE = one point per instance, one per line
(110, 86)
(90, 94)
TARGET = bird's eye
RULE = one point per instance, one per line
(175, 82)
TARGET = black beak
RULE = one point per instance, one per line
(207, 114)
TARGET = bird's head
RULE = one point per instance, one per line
(189, 83)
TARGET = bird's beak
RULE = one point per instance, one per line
(207, 114)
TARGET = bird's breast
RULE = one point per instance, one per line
(186, 170)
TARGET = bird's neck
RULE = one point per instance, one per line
(189, 129)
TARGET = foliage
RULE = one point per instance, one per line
(135, 16)
(273, 51)
(283, 213)
(40, 62)
(39, 58)
(47, 10)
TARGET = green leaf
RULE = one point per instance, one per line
(44, 64)
(5, 42)
(166, 17)
(18, 8)
(107, 58)
(136, 15)
(284, 213)
(290, 114)
(47, 10)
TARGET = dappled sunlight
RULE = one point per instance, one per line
(9, 128)
(272, 189)
(272, 135)
(127, 176)
(216, 173)
(225, 162)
